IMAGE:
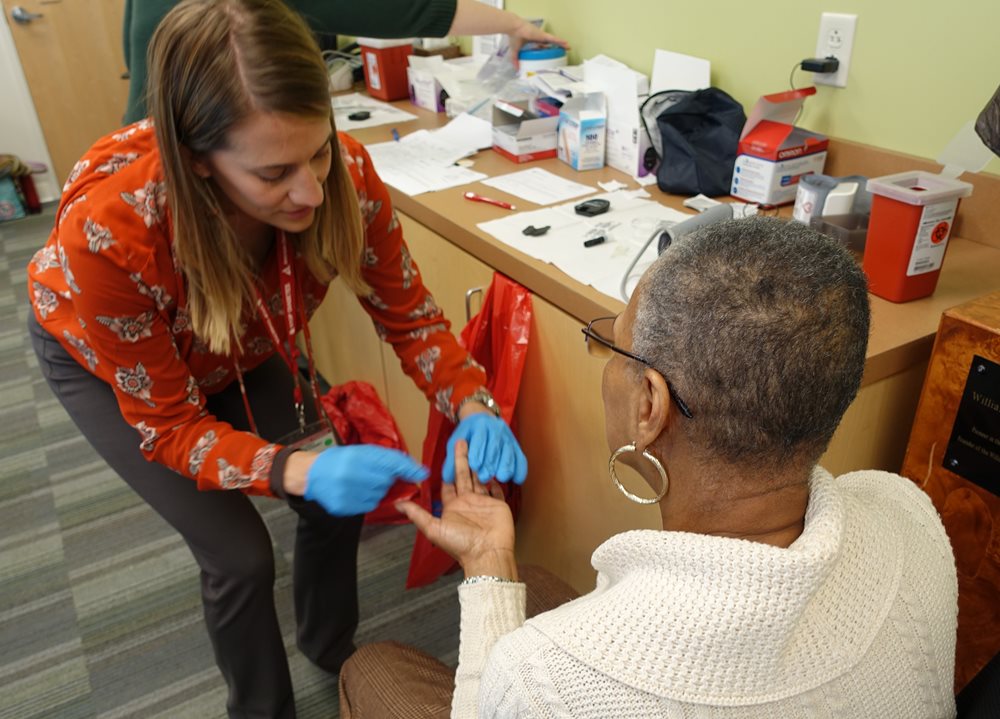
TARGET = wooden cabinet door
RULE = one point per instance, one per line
(344, 340)
(71, 51)
(448, 272)
(569, 505)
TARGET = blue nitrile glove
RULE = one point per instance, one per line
(493, 451)
(353, 479)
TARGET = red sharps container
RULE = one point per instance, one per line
(911, 220)
(385, 66)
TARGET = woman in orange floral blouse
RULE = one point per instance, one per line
(189, 250)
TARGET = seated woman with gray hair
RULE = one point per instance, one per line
(774, 589)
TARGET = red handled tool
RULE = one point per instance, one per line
(489, 201)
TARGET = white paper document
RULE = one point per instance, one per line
(629, 223)
(422, 162)
(468, 132)
(380, 113)
(539, 186)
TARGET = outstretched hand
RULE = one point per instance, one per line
(353, 479)
(528, 32)
(476, 527)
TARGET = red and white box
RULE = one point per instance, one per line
(773, 153)
(520, 135)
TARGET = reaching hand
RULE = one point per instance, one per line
(493, 451)
(353, 479)
(529, 32)
(476, 527)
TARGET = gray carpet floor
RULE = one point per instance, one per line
(100, 611)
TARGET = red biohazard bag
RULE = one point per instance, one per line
(360, 417)
(497, 338)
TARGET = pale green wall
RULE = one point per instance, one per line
(919, 69)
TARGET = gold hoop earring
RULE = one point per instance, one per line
(649, 457)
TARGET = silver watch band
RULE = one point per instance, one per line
(484, 398)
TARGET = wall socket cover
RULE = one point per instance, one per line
(836, 38)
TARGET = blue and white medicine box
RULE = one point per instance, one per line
(582, 126)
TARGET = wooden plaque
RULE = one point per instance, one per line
(954, 455)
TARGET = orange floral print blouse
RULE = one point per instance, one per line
(106, 286)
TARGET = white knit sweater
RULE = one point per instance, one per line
(856, 619)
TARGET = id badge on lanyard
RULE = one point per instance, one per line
(314, 436)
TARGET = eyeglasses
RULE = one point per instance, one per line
(599, 336)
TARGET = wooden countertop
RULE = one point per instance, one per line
(902, 334)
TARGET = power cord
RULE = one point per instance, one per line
(812, 64)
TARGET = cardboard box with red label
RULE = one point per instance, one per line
(520, 135)
(773, 153)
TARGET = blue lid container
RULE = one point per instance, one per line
(536, 51)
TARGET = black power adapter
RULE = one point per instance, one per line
(820, 64)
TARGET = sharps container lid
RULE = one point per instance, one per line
(918, 187)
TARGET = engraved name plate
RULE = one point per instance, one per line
(974, 448)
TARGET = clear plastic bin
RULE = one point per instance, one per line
(850, 229)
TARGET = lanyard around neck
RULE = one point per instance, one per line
(294, 310)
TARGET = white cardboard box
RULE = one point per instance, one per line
(425, 90)
(627, 146)
(582, 125)
(432, 79)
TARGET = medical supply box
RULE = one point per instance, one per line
(424, 77)
(627, 144)
(520, 135)
(425, 89)
(582, 125)
(773, 153)
(385, 63)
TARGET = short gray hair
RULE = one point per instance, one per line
(762, 327)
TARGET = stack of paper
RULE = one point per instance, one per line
(424, 161)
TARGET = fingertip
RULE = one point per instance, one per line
(521, 468)
(506, 463)
(477, 451)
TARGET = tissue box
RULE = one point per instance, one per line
(425, 90)
(773, 154)
(582, 126)
(628, 146)
(520, 135)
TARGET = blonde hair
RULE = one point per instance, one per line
(212, 63)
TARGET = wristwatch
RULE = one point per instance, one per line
(484, 398)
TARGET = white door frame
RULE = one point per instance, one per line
(20, 130)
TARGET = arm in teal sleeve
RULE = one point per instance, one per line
(141, 19)
(127, 20)
(378, 18)
(375, 18)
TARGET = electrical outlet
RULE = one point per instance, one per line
(836, 38)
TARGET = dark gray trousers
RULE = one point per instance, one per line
(227, 536)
